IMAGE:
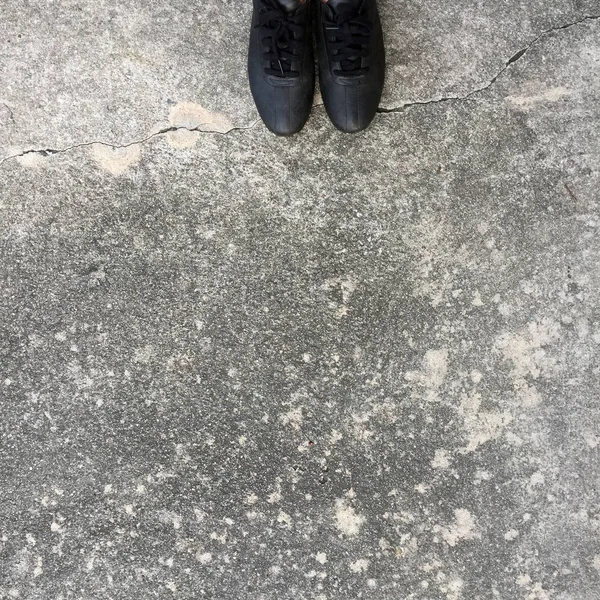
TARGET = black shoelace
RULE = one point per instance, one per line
(348, 36)
(283, 38)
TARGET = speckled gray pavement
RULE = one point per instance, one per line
(329, 367)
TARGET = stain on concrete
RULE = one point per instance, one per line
(190, 116)
(116, 161)
(526, 102)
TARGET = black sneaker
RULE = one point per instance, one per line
(351, 61)
(281, 63)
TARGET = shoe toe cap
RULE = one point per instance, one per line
(284, 109)
(353, 108)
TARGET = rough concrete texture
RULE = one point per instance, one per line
(330, 367)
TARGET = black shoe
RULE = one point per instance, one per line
(281, 63)
(351, 61)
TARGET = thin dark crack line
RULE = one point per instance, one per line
(166, 130)
(513, 59)
(11, 115)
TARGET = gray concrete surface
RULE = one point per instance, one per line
(239, 367)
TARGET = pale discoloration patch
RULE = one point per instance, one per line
(275, 497)
(476, 376)
(191, 116)
(526, 351)
(37, 571)
(293, 417)
(537, 592)
(441, 459)
(203, 557)
(143, 355)
(481, 427)
(549, 95)
(433, 371)
(591, 439)
(454, 589)
(431, 241)
(360, 427)
(347, 286)
(435, 366)
(359, 566)
(284, 518)
(168, 517)
(537, 479)
(463, 528)
(335, 437)
(528, 394)
(347, 520)
(116, 160)
(33, 160)
(183, 138)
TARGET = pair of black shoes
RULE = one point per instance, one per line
(282, 70)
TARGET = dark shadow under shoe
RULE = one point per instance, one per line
(281, 63)
(351, 61)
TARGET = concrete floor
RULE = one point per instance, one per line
(234, 366)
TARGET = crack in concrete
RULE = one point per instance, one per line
(513, 59)
(398, 109)
(11, 115)
(51, 151)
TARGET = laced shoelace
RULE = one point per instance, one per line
(348, 36)
(283, 38)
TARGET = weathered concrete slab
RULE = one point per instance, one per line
(234, 366)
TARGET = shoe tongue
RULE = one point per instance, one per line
(289, 5)
(343, 5)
